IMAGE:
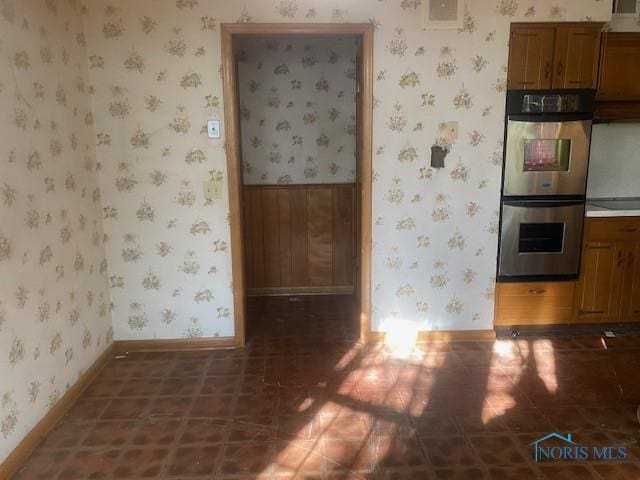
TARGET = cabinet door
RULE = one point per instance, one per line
(620, 67)
(577, 50)
(530, 58)
(630, 304)
(598, 293)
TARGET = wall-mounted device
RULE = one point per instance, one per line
(213, 128)
(442, 14)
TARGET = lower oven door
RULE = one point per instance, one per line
(540, 239)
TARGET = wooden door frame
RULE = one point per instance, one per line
(230, 31)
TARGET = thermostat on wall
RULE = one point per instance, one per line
(213, 128)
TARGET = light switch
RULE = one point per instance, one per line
(213, 190)
(213, 128)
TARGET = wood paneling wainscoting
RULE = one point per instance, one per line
(300, 238)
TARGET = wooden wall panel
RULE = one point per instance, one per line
(298, 209)
(284, 227)
(271, 237)
(300, 238)
(319, 236)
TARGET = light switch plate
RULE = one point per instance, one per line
(213, 128)
(212, 190)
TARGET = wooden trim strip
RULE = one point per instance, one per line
(293, 29)
(444, 336)
(234, 178)
(228, 32)
(328, 290)
(366, 180)
(291, 186)
(32, 440)
(177, 344)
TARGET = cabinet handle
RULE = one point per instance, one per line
(620, 258)
(547, 70)
(628, 229)
(630, 261)
(537, 291)
(560, 68)
(636, 311)
(590, 312)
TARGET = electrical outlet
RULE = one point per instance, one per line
(212, 190)
(213, 128)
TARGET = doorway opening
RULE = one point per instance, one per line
(298, 115)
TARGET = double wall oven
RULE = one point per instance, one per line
(546, 157)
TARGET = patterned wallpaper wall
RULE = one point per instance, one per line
(155, 67)
(54, 297)
(297, 100)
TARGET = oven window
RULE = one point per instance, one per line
(541, 238)
(542, 155)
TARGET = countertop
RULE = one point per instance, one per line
(613, 207)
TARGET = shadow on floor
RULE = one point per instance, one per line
(305, 401)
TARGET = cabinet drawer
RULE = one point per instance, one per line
(612, 229)
(535, 303)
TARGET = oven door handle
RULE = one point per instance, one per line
(543, 203)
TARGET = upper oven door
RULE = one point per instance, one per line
(546, 156)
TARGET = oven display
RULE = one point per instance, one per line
(541, 238)
(547, 155)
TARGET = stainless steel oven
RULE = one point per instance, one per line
(546, 156)
(540, 238)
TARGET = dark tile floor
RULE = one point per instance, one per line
(304, 401)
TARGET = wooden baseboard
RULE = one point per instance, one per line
(30, 442)
(275, 291)
(444, 336)
(177, 344)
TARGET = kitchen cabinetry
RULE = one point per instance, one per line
(618, 86)
(546, 55)
(609, 286)
(620, 67)
(530, 58)
(576, 57)
(534, 303)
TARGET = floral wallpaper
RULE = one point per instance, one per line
(154, 80)
(54, 297)
(155, 68)
(297, 104)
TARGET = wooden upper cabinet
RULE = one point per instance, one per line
(597, 295)
(620, 67)
(577, 50)
(530, 58)
(553, 55)
(630, 303)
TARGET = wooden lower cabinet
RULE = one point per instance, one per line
(630, 301)
(609, 287)
(534, 303)
(597, 294)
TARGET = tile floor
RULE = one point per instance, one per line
(303, 401)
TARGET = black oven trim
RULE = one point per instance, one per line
(536, 278)
(587, 100)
